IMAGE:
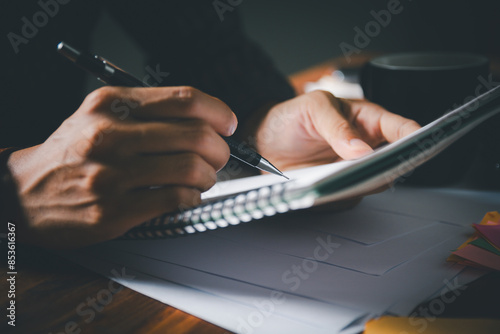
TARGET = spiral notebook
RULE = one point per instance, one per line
(242, 200)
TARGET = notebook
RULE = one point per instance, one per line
(242, 200)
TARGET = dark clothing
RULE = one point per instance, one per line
(39, 88)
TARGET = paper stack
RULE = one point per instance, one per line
(482, 249)
(307, 271)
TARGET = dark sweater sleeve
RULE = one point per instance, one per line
(201, 48)
(8, 194)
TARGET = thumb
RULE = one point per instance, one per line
(337, 131)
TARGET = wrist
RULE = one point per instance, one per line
(9, 204)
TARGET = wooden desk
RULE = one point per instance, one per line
(50, 289)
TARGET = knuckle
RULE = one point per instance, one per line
(97, 179)
(225, 150)
(320, 98)
(203, 136)
(209, 180)
(83, 148)
(223, 155)
(93, 137)
(100, 126)
(204, 139)
(184, 93)
(183, 198)
(341, 127)
(97, 215)
(196, 174)
(192, 169)
(186, 96)
(101, 98)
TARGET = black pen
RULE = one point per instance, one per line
(112, 75)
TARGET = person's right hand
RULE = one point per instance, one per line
(125, 156)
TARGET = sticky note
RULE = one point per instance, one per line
(479, 256)
(492, 216)
(480, 242)
(490, 233)
(398, 325)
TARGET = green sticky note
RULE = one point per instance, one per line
(480, 242)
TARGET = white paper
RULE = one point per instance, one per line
(226, 276)
(302, 311)
(374, 259)
(453, 206)
(236, 316)
(303, 176)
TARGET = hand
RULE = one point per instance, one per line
(125, 156)
(318, 128)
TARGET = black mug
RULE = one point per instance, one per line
(423, 87)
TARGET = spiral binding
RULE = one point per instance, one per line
(241, 208)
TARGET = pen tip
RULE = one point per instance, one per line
(268, 167)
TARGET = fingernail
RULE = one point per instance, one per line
(360, 146)
(233, 127)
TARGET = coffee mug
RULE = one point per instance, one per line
(423, 87)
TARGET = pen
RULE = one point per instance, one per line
(112, 75)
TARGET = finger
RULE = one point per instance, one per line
(162, 103)
(186, 170)
(182, 102)
(338, 132)
(376, 124)
(194, 136)
(394, 127)
(144, 204)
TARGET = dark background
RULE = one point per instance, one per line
(298, 34)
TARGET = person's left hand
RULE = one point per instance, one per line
(318, 128)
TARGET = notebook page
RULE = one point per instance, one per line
(306, 176)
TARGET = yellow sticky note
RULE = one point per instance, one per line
(402, 325)
(492, 216)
